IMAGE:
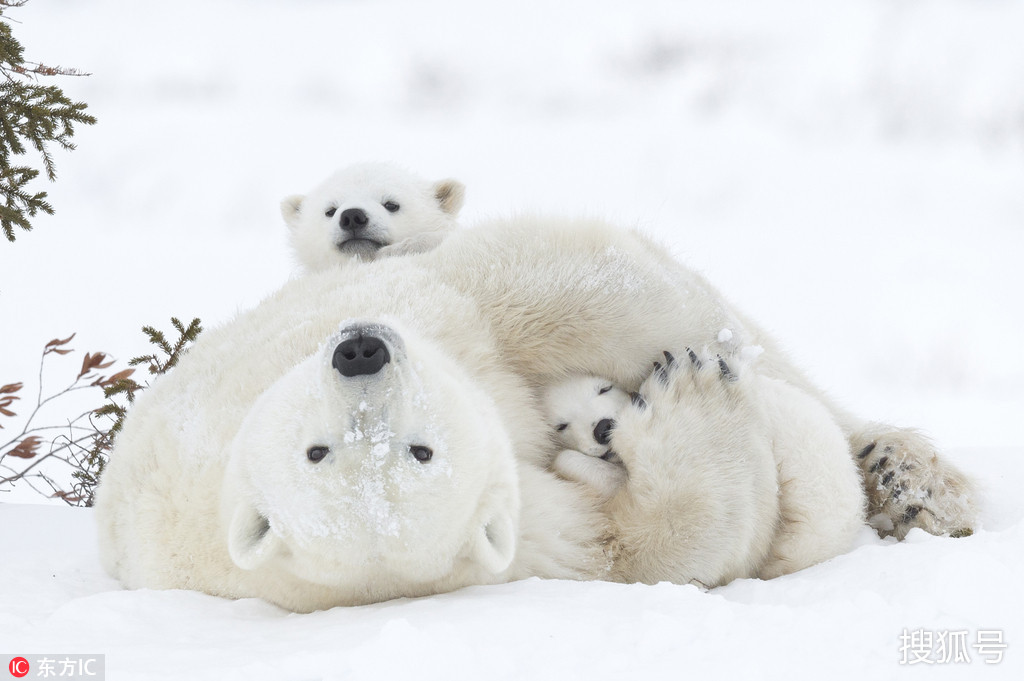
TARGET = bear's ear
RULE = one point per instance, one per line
(495, 543)
(250, 540)
(291, 206)
(450, 194)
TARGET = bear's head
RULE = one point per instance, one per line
(581, 411)
(368, 207)
(376, 468)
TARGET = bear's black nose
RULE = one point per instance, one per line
(603, 431)
(353, 219)
(360, 356)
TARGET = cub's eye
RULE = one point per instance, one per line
(603, 390)
(317, 452)
(331, 211)
(561, 426)
(391, 206)
(421, 453)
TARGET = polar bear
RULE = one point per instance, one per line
(361, 422)
(367, 211)
(792, 503)
(581, 412)
(360, 461)
(363, 447)
(819, 506)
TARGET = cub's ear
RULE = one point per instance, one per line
(291, 206)
(251, 542)
(450, 194)
(495, 542)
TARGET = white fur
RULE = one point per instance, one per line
(701, 503)
(574, 409)
(575, 406)
(820, 505)
(211, 487)
(821, 498)
(614, 315)
(426, 212)
(219, 444)
(369, 509)
(603, 477)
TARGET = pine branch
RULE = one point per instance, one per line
(34, 115)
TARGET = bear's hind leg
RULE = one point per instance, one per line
(821, 498)
(909, 485)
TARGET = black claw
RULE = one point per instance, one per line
(669, 359)
(867, 450)
(662, 374)
(693, 358)
(727, 373)
(638, 400)
(887, 478)
(911, 513)
(878, 464)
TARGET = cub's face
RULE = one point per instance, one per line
(368, 207)
(376, 467)
(581, 412)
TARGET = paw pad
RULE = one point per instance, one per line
(909, 487)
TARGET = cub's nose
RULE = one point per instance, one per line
(360, 356)
(353, 219)
(603, 431)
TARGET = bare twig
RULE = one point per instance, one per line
(80, 446)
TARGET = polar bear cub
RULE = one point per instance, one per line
(582, 411)
(818, 507)
(368, 211)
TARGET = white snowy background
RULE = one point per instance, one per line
(849, 172)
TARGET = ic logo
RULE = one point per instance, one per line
(18, 667)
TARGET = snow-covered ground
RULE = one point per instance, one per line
(851, 173)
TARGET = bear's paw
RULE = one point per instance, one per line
(909, 485)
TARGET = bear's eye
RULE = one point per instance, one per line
(331, 211)
(391, 206)
(561, 426)
(316, 453)
(421, 453)
(603, 390)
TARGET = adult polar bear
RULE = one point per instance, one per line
(369, 433)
